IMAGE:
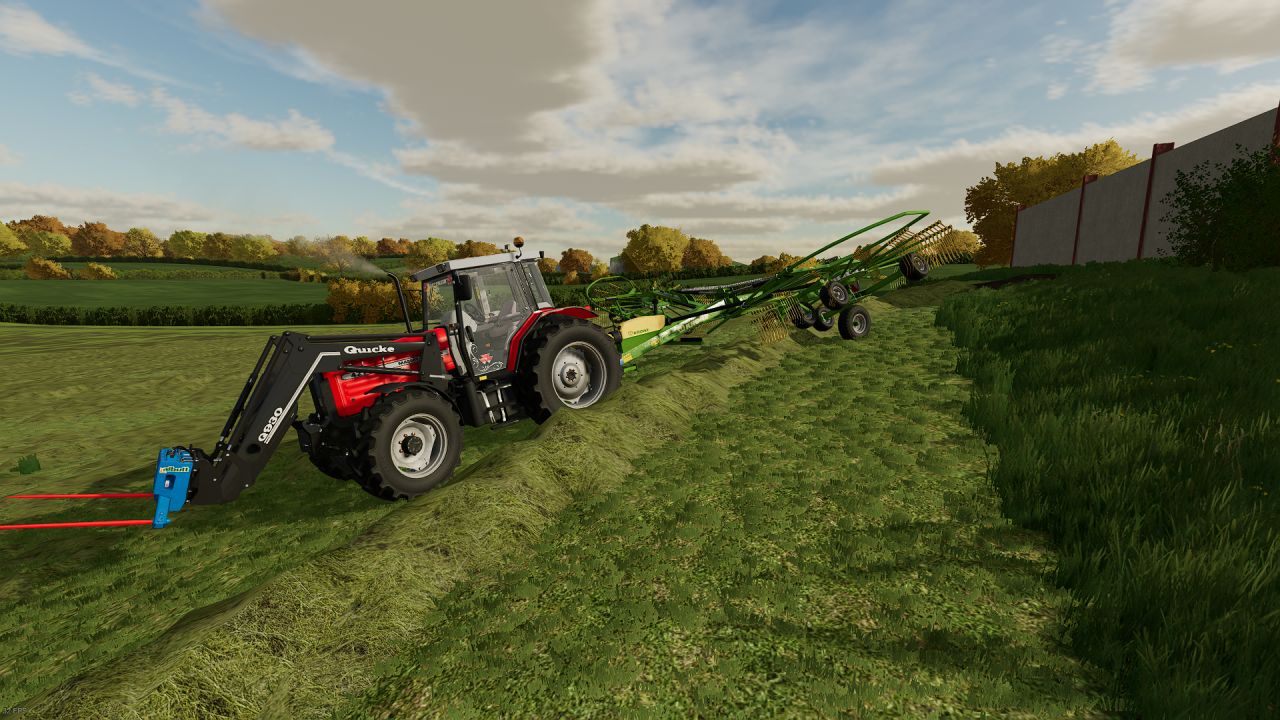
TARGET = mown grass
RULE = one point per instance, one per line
(125, 292)
(827, 545)
(95, 405)
(1135, 407)
(299, 644)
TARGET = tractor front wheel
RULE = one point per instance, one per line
(570, 364)
(855, 322)
(412, 441)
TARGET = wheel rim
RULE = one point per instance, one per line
(578, 374)
(418, 445)
(838, 294)
(919, 263)
(858, 323)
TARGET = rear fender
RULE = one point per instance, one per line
(513, 351)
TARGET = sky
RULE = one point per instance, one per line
(765, 126)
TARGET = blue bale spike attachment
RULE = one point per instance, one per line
(173, 474)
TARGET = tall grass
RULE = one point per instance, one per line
(1135, 410)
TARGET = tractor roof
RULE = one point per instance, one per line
(466, 264)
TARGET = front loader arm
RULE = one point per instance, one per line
(268, 405)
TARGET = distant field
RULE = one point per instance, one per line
(124, 269)
(150, 293)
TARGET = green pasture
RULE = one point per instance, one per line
(1079, 523)
(125, 292)
(1135, 406)
(825, 545)
(72, 598)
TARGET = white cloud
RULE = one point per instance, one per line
(1146, 35)
(106, 91)
(8, 157)
(667, 208)
(25, 32)
(1056, 90)
(460, 72)
(74, 205)
(942, 173)
(297, 132)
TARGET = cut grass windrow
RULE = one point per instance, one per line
(308, 639)
(826, 545)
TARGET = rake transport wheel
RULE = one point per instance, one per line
(803, 318)
(913, 266)
(411, 441)
(821, 322)
(854, 322)
(834, 295)
(569, 364)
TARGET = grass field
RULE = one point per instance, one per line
(827, 545)
(146, 270)
(149, 293)
(1135, 407)
(805, 528)
(70, 599)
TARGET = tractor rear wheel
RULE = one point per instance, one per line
(411, 442)
(571, 364)
(854, 322)
(913, 266)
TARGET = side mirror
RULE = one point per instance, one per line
(463, 289)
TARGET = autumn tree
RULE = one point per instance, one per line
(599, 270)
(991, 204)
(364, 247)
(428, 252)
(570, 278)
(95, 239)
(473, 248)
(579, 260)
(185, 244)
(141, 242)
(759, 264)
(40, 223)
(10, 245)
(250, 248)
(218, 246)
(46, 244)
(704, 254)
(387, 246)
(546, 265)
(298, 245)
(653, 248)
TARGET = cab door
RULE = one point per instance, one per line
(498, 307)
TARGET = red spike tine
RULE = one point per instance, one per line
(93, 523)
(86, 495)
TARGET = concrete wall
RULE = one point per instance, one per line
(1220, 147)
(1112, 217)
(1047, 231)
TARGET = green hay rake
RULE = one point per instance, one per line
(807, 292)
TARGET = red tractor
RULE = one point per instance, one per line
(492, 349)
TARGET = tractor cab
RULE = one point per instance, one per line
(482, 302)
